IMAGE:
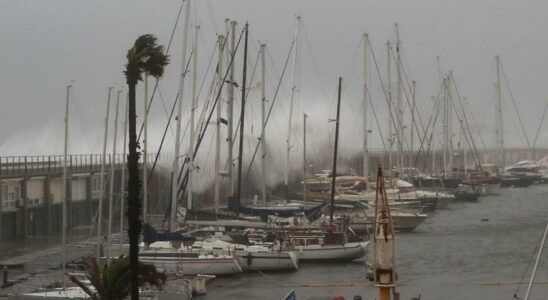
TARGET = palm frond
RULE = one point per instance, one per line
(145, 56)
(112, 282)
(93, 295)
(94, 277)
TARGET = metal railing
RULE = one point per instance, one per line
(16, 166)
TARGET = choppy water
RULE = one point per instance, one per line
(456, 254)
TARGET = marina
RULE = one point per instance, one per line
(216, 150)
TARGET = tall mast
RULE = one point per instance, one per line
(175, 174)
(230, 110)
(335, 150)
(192, 116)
(413, 107)
(365, 101)
(501, 161)
(304, 160)
(450, 120)
(445, 127)
(399, 112)
(123, 176)
(218, 127)
(242, 119)
(145, 151)
(432, 137)
(263, 121)
(65, 183)
(112, 165)
(466, 144)
(102, 179)
(389, 87)
(293, 92)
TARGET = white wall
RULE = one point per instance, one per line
(56, 190)
(35, 191)
(78, 189)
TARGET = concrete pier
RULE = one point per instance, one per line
(31, 195)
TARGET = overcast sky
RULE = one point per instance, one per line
(44, 45)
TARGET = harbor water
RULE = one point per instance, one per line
(471, 250)
(474, 250)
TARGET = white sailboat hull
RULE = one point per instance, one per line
(403, 221)
(347, 251)
(195, 266)
(267, 261)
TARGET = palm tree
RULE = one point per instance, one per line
(144, 56)
(112, 281)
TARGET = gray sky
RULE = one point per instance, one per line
(46, 44)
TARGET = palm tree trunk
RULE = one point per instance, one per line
(134, 201)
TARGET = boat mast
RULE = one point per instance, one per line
(102, 179)
(192, 116)
(450, 120)
(291, 104)
(399, 109)
(432, 137)
(365, 102)
(304, 160)
(441, 84)
(531, 280)
(220, 41)
(413, 107)
(445, 128)
(334, 171)
(65, 183)
(145, 151)
(499, 125)
(389, 91)
(464, 151)
(230, 109)
(123, 177)
(242, 118)
(175, 173)
(263, 121)
(112, 166)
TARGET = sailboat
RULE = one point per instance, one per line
(326, 242)
(312, 212)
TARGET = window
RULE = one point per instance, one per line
(312, 241)
(95, 186)
(9, 196)
(3, 192)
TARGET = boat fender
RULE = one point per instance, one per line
(249, 258)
